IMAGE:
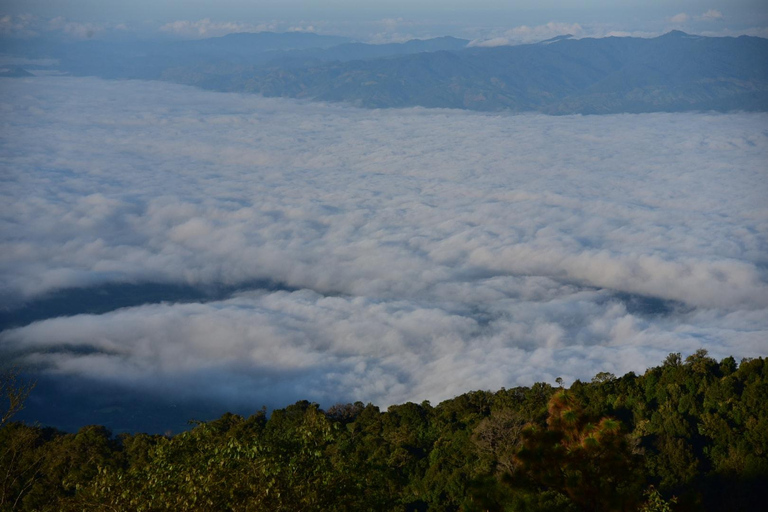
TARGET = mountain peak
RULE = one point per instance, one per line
(556, 39)
(676, 33)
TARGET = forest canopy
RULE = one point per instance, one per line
(691, 434)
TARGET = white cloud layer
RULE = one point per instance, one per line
(17, 26)
(711, 15)
(433, 251)
(679, 18)
(75, 29)
(532, 34)
(209, 28)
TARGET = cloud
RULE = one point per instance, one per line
(75, 29)
(528, 34)
(711, 15)
(395, 30)
(22, 25)
(64, 29)
(492, 43)
(424, 252)
(391, 24)
(208, 28)
(679, 18)
(302, 28)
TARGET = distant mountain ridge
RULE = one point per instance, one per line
(673, 72)
(562, 75)
(14, 72)
(216, 59)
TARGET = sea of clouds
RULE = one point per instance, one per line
(419, 253)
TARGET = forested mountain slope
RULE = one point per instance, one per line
(691, 434)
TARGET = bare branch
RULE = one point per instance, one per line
(14, 391)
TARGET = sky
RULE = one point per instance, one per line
(375, 21)
(415, 254)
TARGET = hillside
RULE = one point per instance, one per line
(691, 434)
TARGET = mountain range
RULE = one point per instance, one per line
(673, 72)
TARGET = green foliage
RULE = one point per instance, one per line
(692, 428)
(587, 459)
(655, 502)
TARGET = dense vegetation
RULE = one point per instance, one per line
(689, 435)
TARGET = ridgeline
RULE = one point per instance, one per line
(688, 435)
(674, 72)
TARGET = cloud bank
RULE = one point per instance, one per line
(424, 253)
(208, 28)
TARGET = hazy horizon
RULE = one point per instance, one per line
(371, 22)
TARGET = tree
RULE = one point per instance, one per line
(655, 502)
(589, 461)
(14, 391)
(498, 436)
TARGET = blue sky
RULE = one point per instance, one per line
(377, 21)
